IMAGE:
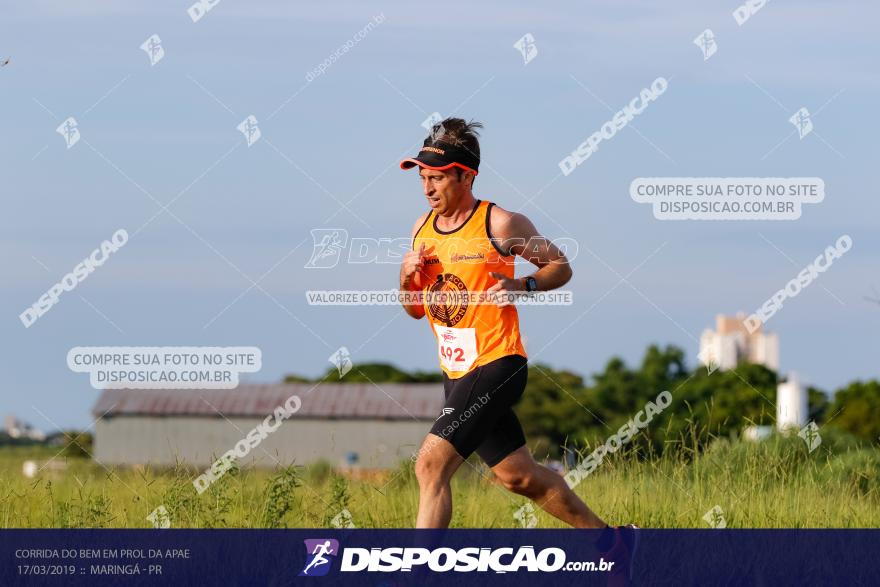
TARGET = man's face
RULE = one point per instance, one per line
(444, 189)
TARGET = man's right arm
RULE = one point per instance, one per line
(410, 268)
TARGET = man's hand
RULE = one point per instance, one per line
(411, 269)
(504, 289)
(411, 279)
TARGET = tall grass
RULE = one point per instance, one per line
(775, 483)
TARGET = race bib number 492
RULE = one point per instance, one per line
(457, 347)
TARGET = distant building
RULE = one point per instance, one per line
(792, 404)
(16, 428)
(347, 424)
(792, 410)
(731, 343)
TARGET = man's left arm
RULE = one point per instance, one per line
(516, 235)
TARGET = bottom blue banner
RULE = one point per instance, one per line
(432, 557)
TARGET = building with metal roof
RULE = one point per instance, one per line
(348, 424)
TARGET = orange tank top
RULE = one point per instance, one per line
(457, 262)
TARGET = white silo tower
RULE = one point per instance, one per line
(792, 407)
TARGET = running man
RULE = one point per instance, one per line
(319, 559)
(467, 245)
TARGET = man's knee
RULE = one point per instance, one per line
(428, 470)
(520, 482)
(433, 467)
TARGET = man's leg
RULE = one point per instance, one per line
(437, 463)
(519, 473)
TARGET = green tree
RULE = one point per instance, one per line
(375, 372)
(77, 444)
(819, 403)
(856, 409)
(296, 379)
(662, 369)
(553, 409)
(720, 404)
(381, 373)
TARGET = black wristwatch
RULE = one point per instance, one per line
(531, 284)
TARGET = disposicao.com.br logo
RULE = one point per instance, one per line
(441, 560)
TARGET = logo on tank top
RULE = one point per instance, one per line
(451, 307)
(468, 257)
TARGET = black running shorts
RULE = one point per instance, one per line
(478, 414)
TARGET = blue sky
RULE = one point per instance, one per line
(156, 133)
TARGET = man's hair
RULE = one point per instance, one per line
(458, 132)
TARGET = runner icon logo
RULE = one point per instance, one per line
(70, 131)
(706, 42)
(527, 47)
(801, 120)
(153, 48)
(319, 550)
(327, 247)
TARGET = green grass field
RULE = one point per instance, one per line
(773, 484)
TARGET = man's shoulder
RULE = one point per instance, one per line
(420, 221)
(504, 222)
(501, 213)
